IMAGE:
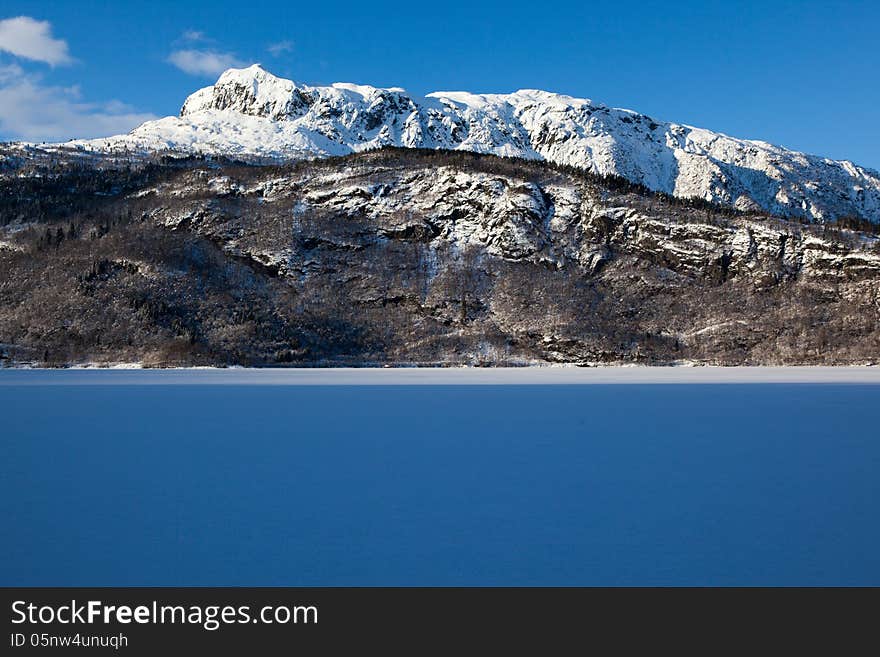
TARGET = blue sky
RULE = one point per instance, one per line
(801, 74)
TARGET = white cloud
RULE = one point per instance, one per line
(31, 39)
(33, 112)
(280, 48)
(204, 62)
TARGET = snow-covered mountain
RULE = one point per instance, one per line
(250, 112)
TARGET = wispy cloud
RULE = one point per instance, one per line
(204, 62)
(32, 111)
(193, 35)
(29, 38)
(10, 73)
(277, 49)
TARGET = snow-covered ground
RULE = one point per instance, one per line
(250, 112)
(551, 375)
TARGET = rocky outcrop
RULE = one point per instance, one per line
(559, 223)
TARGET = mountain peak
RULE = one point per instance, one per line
(252, 73)
(252, 91)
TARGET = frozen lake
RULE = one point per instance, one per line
(571, 477)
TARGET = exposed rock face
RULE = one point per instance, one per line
(251, 113)
(554, 225)
(415, 257)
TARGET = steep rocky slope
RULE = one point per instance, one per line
(251, 113)
(412, 256)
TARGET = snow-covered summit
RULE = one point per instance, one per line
(250, 112)
(253, 91)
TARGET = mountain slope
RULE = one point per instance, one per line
(251, 113)
(411, 256)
